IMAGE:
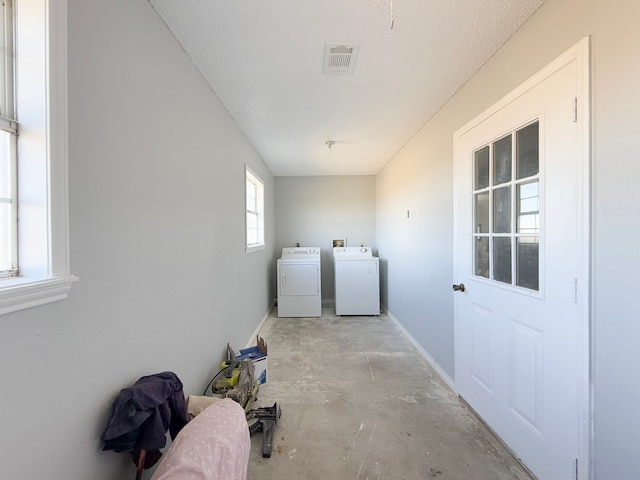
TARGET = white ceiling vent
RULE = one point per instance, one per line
(339, 58)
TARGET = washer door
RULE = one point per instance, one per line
(299, 279)
(357, 284)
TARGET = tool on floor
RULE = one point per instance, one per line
(236, 380)
(265, 419)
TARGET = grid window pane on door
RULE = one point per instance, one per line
(506, 209)
(8, 132)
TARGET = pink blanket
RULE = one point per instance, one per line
(213, 446)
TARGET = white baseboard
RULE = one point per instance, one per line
(439, 370)
(256, 332)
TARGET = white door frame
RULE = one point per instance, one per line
(581, 54)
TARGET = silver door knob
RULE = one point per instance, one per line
(458, 288)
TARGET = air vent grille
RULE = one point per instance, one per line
(339, 58)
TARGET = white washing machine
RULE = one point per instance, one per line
(299, 292)
(356, 280)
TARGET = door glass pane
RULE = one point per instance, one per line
(482, 213)
(481, 255)
(481, 168)
(502, 160)
(527, 151)
(506, 203)
(502, 210)
(528, 208)
(502, 259)
(527, 266)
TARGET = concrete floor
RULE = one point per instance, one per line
(358, 402)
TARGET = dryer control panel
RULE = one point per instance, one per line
(300, 252)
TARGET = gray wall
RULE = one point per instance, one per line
(154, 158)
(420, 178)
(313, 211)
(157, 239)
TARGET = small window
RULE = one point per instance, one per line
(8, 135)
(34, 231)
(254, 211)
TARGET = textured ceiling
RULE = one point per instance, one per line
(264, 60)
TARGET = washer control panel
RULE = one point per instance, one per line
(352, 251)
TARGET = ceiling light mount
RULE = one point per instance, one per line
(329, 144)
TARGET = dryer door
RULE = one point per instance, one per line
(299, 279)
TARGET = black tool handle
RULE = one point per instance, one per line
(268, 427)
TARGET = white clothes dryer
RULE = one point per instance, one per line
(356, 280)
(299, 282)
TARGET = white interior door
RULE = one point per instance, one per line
(519, 250)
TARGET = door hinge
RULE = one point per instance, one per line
(574, 475)
(574, 110)
(574, 290)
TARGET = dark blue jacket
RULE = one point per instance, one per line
(142, 413)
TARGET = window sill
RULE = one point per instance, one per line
(20, 293)
(254, 248)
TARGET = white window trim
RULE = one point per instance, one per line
(251, 175)
(44, 255)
